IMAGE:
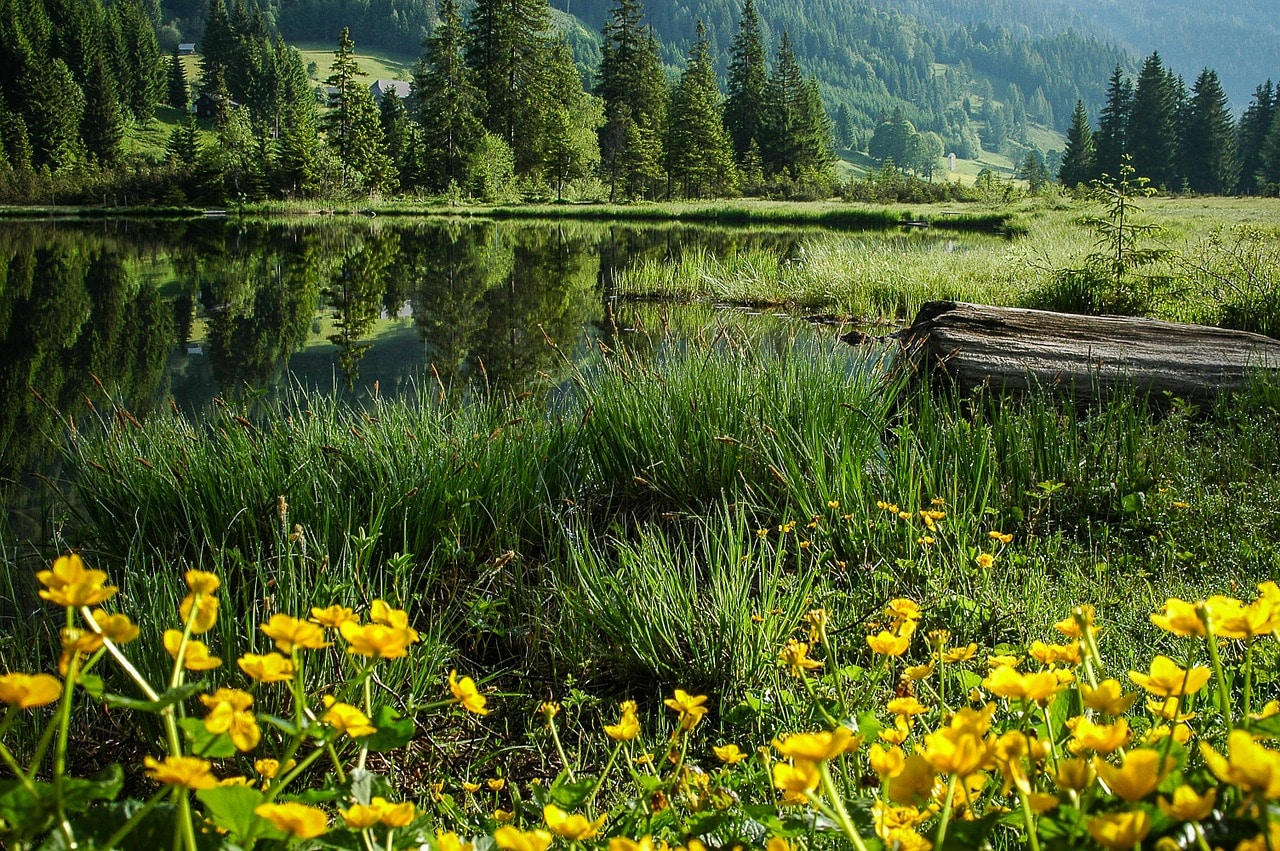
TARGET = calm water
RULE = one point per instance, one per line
(181, 313)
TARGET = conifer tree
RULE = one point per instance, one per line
(54, 106)
(142, 86)
(700, 151)
(744, 108)
(633, 90)
(217, 48)
(1153, 127)
(1269, 173)
(398, 131)
(1111, 141)
(179, 98)
(1079, 164)
(1252, 133)
(572, 147)
(102, 126)
(447, 103)
(183, 146)
(1208, 149)
(344, 82)
(797, 132)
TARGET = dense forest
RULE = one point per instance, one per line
(500, 106)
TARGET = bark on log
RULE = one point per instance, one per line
(1087, 357)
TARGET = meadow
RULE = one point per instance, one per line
(719, 595)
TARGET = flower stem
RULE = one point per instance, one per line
(838, 809)
(1028, 818)
(946, 811)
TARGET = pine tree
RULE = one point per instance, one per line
(1153, 128)
(1252, 133)
(447, 103)
(217, 48)
(633, 90)
(179, 98)
(1269, 173)
(1111, 141)
(700, 150)
(797, 132)
(54, 107)
(183, 146)
(341, 121)
(572, 148)
(507, 50)
(102, 126)
(144, 84)
(1079, 163)
(1209, 141)
(744, 108)
(399, 134)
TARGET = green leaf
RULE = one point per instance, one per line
(231, 808)
(105, 785)
(203, 743)
(31, 814)
(394, 731)
(170, 697)
(155, 830)
(569, 796)
(284, 725)
(92, 684)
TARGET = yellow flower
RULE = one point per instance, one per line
(377, 641)
(905, 706)
(1107, 698)
(1074, 774)
(465, 693)
(496, 784)
(1120, 831)
(449, 841)
(1003, 659)
(796, 657)
(71, 585)
(897, 734)
(118, 629)
(1187, 805)
(890, 507)
(202, 581)
(346, 718)
(189, 772)
(1002, 537)
(75, 641)
(1053, 654)
(1099, 738)
(796, 781)
(729, 754)
(886, 763)
(689, 706)
(903, 609)
(985, 560)
(1166, 679)
(575, 826)
(1248, 765)
(289, 632)
(229, 713)
(271, 668)
(548, 709)
(295, 819)
(1137, 778)
(1261, 617)
(628, 726)
(953, 655)
(914, 784)
(206, 612)
(382, 613)
(394, 815)
(816, 747)
(1179, 617)
(503, 816)
(511, 839)
(887, 644)
(1009, 683)
(269, 768)
(361, 816)
(960, 748)
(27, 691)
(334, 616)
(918, 672)
(196, 656)
(1070, 626)
(468, 786)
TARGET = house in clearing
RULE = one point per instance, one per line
(382, 88)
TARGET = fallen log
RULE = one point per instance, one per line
(1087, 357)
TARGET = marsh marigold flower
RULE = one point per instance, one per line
(295, 819)
(1247, 764)
(1179, 617)
(71, 585)
(728, 754)
(886, 643)
(1107, 698)
(1187, 804)
(1099, 738)
(1007, 682)
(229, 713)
(189, 772)
(1167, 679)
(1138, 777)
(817, 747)
(510, 838)
(985, 560)
(449, 841)
(347, 719)
(689, 706)
(886, 762)
(27, 691)
(465, 693)
(289, 632)
(796, 781)
(628, 726)
(795, 656)
(333, 616)
(118, 629)
(377, 641)
(1120, 831)
(573, 826)
(205, 615)
(196, 655)
(269, 668)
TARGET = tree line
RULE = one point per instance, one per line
(1178, 139)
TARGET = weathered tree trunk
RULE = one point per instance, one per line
(1087, 357)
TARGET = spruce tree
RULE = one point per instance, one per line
(701, 153)
(297, 171)
(144, 85)
(1111, 141)
(633, 90)
(179, 97)
(1252, 133)
(1153, 128)
(102, 125)
(797, 132)
(1209, 140)
(744, 108)
(217, 48)
(447, 103)
(1079, 164)
(1269, 173)
(184, 143)
(343, 80)
(572, 147)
